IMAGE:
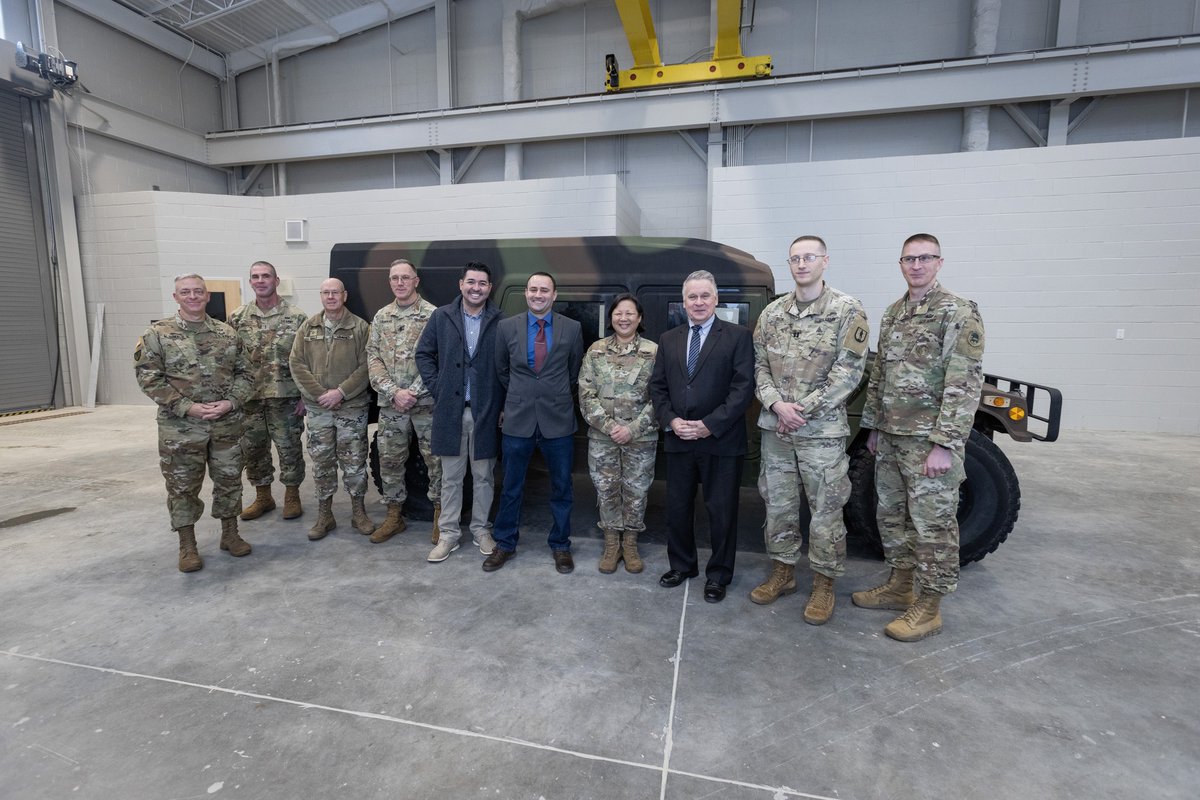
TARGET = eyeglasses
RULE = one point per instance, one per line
(807, 258)
(924, 258)
(404, 278)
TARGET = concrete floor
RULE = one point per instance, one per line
(343, 669)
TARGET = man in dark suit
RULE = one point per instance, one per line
(537, 361)
(703, 382)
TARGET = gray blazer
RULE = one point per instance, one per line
(539, 402)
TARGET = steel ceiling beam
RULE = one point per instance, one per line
(94, 115)
(122, 19)
(1152, 65)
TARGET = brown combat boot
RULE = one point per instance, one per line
(325, 521)
(358, 518)
(189, 556)
(629, 552)
(612, 552)
(263, 503)
(923, 618)
(236, 545)
(436, 534)
(896, 594)
(781, 581)
(395, 523)
(820, 602)
(291, 502)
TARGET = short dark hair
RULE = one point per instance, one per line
(922, 237)
(477, 266)
(268, 264)
(621, 298)
(553, 283)
(808, 237)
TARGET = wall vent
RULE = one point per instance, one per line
(295, 230)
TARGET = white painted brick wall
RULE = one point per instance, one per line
(1059, 246)
(134, 244)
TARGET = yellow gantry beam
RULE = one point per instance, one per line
(648, 70)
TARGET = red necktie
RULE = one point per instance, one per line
(539, 346)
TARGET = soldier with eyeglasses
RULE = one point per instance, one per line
(921, 399)
(810, 349)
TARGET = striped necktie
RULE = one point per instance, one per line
(693, 350)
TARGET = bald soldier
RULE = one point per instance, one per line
(275, 412)
(405, 405)
(329, 363)
(921, 401)
(192, 366)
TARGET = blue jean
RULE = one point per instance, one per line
(518, 450)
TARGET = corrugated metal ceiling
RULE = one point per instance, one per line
(227, 26)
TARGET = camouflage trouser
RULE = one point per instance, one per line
(394, 439)
(338, 439)
(791, 468)
(622, 474)
(185, 447)
(273, 419)
(918, 516)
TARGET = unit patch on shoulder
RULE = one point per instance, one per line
(970, 339)
(139, 352)
(857, 337)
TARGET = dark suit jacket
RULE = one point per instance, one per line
(444, 364)
(536, 401)
(718, 394)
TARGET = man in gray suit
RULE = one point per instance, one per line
(537, 360)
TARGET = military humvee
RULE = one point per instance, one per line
(591, 271)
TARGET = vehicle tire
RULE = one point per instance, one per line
(988, 505)
(859, 513)
(416, 477)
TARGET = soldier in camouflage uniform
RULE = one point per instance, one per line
(329, 364)
(275, 413)
(192, 366)
(404, 403)
(614, 398)
(921, 400)
(810, 349)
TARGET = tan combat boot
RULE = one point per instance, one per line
(820, 602)
(436, 533)
(236, 545)
(359, 519)
(395, 523)
(263, 503)
(325, 521)
(896, 594)
(612, 552)
(291, 502)
(781, 581)
(923, 618)
(189, 556)
(629, 552)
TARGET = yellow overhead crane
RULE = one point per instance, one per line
(727, 62)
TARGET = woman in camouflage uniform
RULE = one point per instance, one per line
(622, 435)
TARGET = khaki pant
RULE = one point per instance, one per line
(454, 470)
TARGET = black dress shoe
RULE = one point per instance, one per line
(563, 561)
(496, 560)
(713, 592)
(673, 577)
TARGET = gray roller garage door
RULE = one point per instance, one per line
(28, 333)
